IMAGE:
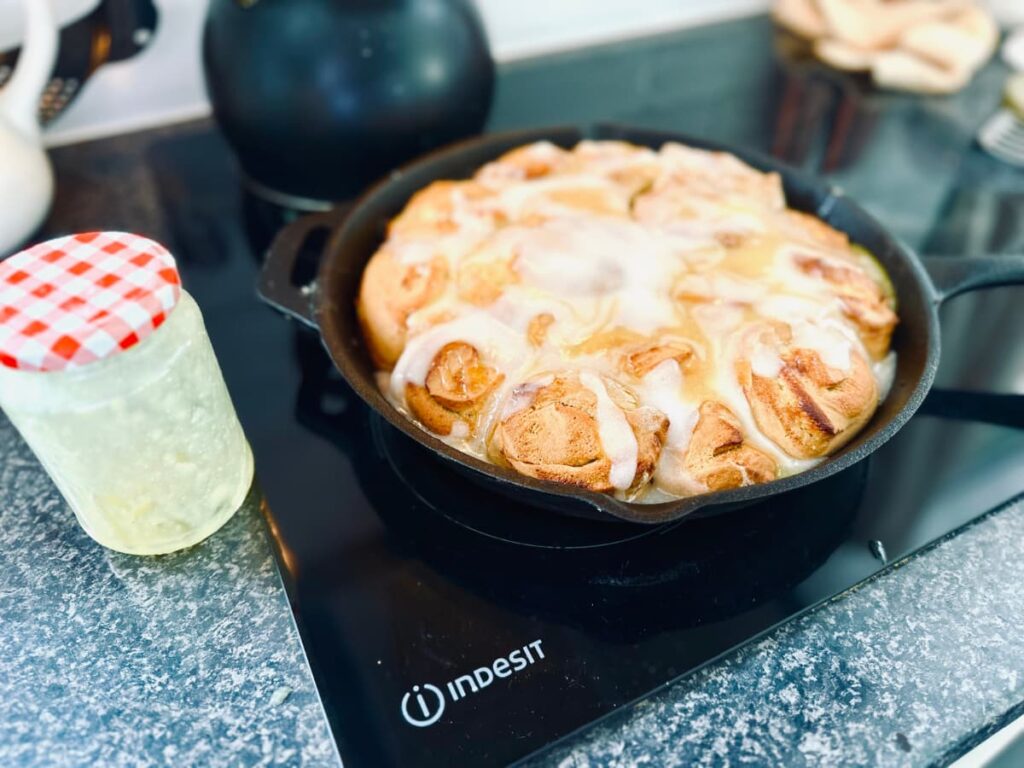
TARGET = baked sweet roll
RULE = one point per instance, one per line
(392, 291)
(640, 359)
(542, 181)
(866, 300)
(581, 429)
(810, 391)
(651, 324)
(454, 391)
(709, 194)
(719, 457)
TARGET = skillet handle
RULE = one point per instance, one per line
(277, 285)
(952, 276)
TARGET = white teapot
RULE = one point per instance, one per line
(26, 178)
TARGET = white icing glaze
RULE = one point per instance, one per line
(497, 344)
(885, 372)
(720, 287)
(727, 349)
(656, 269)
(522, 395)
(541, 197)
(594, 259)
(616, 435)
(765, 361)
(662, 388)
(833, 347)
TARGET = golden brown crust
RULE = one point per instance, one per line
(721, 175)
(812, 230)
(718, 457)
(800, 17)
(537, 330)
(555, 436)
(482, 282)
(632, 168)
(431, 211)
(532, 161)
(389, 293)
(641, 360)
(862, 299)
(650, 428)
(457, 387)
(809, 409)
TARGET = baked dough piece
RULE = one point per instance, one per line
(430, 214)
(641, 359)
(631, 168)
(959, 44)
(718, 457)
(531, 161)
(391, 291)
(903, 71)
(844, 55)
(924, 46)
(697, 181)
(806, 407)
(802, 17)
(456, 389)
(862, 299)
(873, 24)
(708, 194)
(553, 433)
(809, 229)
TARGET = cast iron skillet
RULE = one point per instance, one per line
(328, 305)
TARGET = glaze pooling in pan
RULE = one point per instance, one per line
(647, 323)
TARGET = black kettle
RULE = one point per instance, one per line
(320, 97)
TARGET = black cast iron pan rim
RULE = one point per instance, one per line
(343, 349)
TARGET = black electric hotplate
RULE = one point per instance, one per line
(449, 626)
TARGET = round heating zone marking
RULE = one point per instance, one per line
(421, 715)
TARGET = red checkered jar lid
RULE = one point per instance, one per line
(72, 301)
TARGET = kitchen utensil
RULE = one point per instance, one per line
(109, 31)
(318, 98)
(26, 179)
(1002, 135)
(328, 305)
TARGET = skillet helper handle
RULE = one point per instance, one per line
(952, 276)
(277, 286)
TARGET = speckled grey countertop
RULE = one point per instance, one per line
(193, 659)
(109, 659)
(909, 669)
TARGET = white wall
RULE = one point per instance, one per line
(519, 28)
(164, 83)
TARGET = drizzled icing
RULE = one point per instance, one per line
(498, 344)
(662, 388)
(616, 262)
(617, 438)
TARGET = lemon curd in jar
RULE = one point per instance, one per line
(144, 444)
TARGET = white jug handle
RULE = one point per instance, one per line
(19, 100)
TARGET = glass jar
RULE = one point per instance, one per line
(144, 444)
